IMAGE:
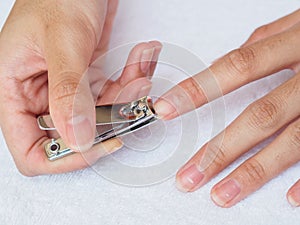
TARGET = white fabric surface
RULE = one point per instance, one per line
(208, 29)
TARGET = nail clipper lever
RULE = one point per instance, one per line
(111, 121)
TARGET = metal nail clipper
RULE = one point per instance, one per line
(111, 121)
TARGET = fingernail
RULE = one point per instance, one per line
(118, 144)
(102, 149)
(146, 59)
(189, 178)
(144, 91)
(226, 192)
(106, 149)
(292, 201)
(163, 108)
(293, 195)
(80, 133)
(157, 51)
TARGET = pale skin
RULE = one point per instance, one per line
(39, 76)
(45, 48)
(269, 49)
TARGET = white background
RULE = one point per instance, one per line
(209, 29)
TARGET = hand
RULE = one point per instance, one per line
(45, 48)
(271, 48)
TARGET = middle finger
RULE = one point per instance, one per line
(232, 71)
(260, 120)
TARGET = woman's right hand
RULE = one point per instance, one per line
(45, 48)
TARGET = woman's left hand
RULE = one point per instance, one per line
(270, 48)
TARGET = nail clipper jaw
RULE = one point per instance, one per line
(128, 118)
(138, 109)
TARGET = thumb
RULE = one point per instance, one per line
(71, 103)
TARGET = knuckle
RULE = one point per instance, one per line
(253, 172)
(263, 114)
(260, 32)
(194, 90)
(242, 62)
(295, 134)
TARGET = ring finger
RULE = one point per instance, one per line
(260, 120)
(282, 153)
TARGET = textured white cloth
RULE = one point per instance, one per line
(209, 29)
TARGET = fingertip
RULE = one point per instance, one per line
(102, 149)
(189, 178)
(292, 201)
(150, 57)
(164, 109)
(157, 49)
(226, 193)
(146, 58)
(113, 145)
(156, 44)
(180, 187)
(293, 195)
(108, 147)
(214, 197)
(80, 133)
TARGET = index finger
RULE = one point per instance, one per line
(237, 68)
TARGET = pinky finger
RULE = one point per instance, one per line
(293, 194)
